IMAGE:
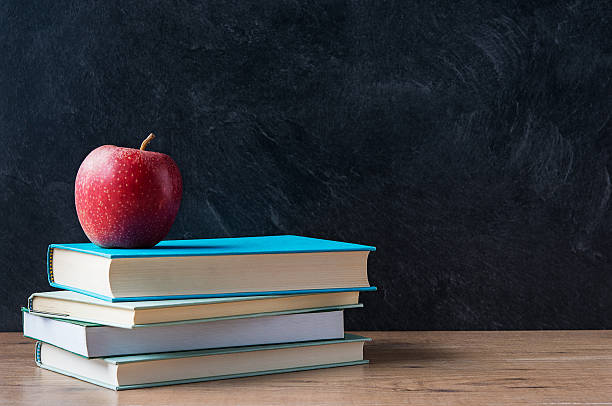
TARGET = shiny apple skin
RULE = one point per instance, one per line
(127, 198)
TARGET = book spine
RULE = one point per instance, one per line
(50, 264)
(31, 303)
(37, 353)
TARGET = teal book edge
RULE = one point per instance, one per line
(276, 244)
(268, 293)
(183, 354)
(97, 323)
(281, 244)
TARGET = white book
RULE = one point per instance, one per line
(91, 340)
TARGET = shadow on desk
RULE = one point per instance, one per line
(389, 353)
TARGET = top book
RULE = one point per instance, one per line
(221, 267)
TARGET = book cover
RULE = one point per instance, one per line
(275, 244)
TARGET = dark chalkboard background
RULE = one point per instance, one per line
(469, 141)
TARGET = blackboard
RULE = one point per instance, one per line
(469, 141)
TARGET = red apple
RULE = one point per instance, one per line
(127, 197)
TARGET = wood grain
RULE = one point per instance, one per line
(416, 368)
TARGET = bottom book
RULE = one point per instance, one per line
(170, 368)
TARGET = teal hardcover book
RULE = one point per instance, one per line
(201, 268)
(147, 370)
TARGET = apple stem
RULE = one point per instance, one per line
(146, 141)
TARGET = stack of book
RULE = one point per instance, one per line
(197, 310)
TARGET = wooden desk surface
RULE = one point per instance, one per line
(416, 368)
